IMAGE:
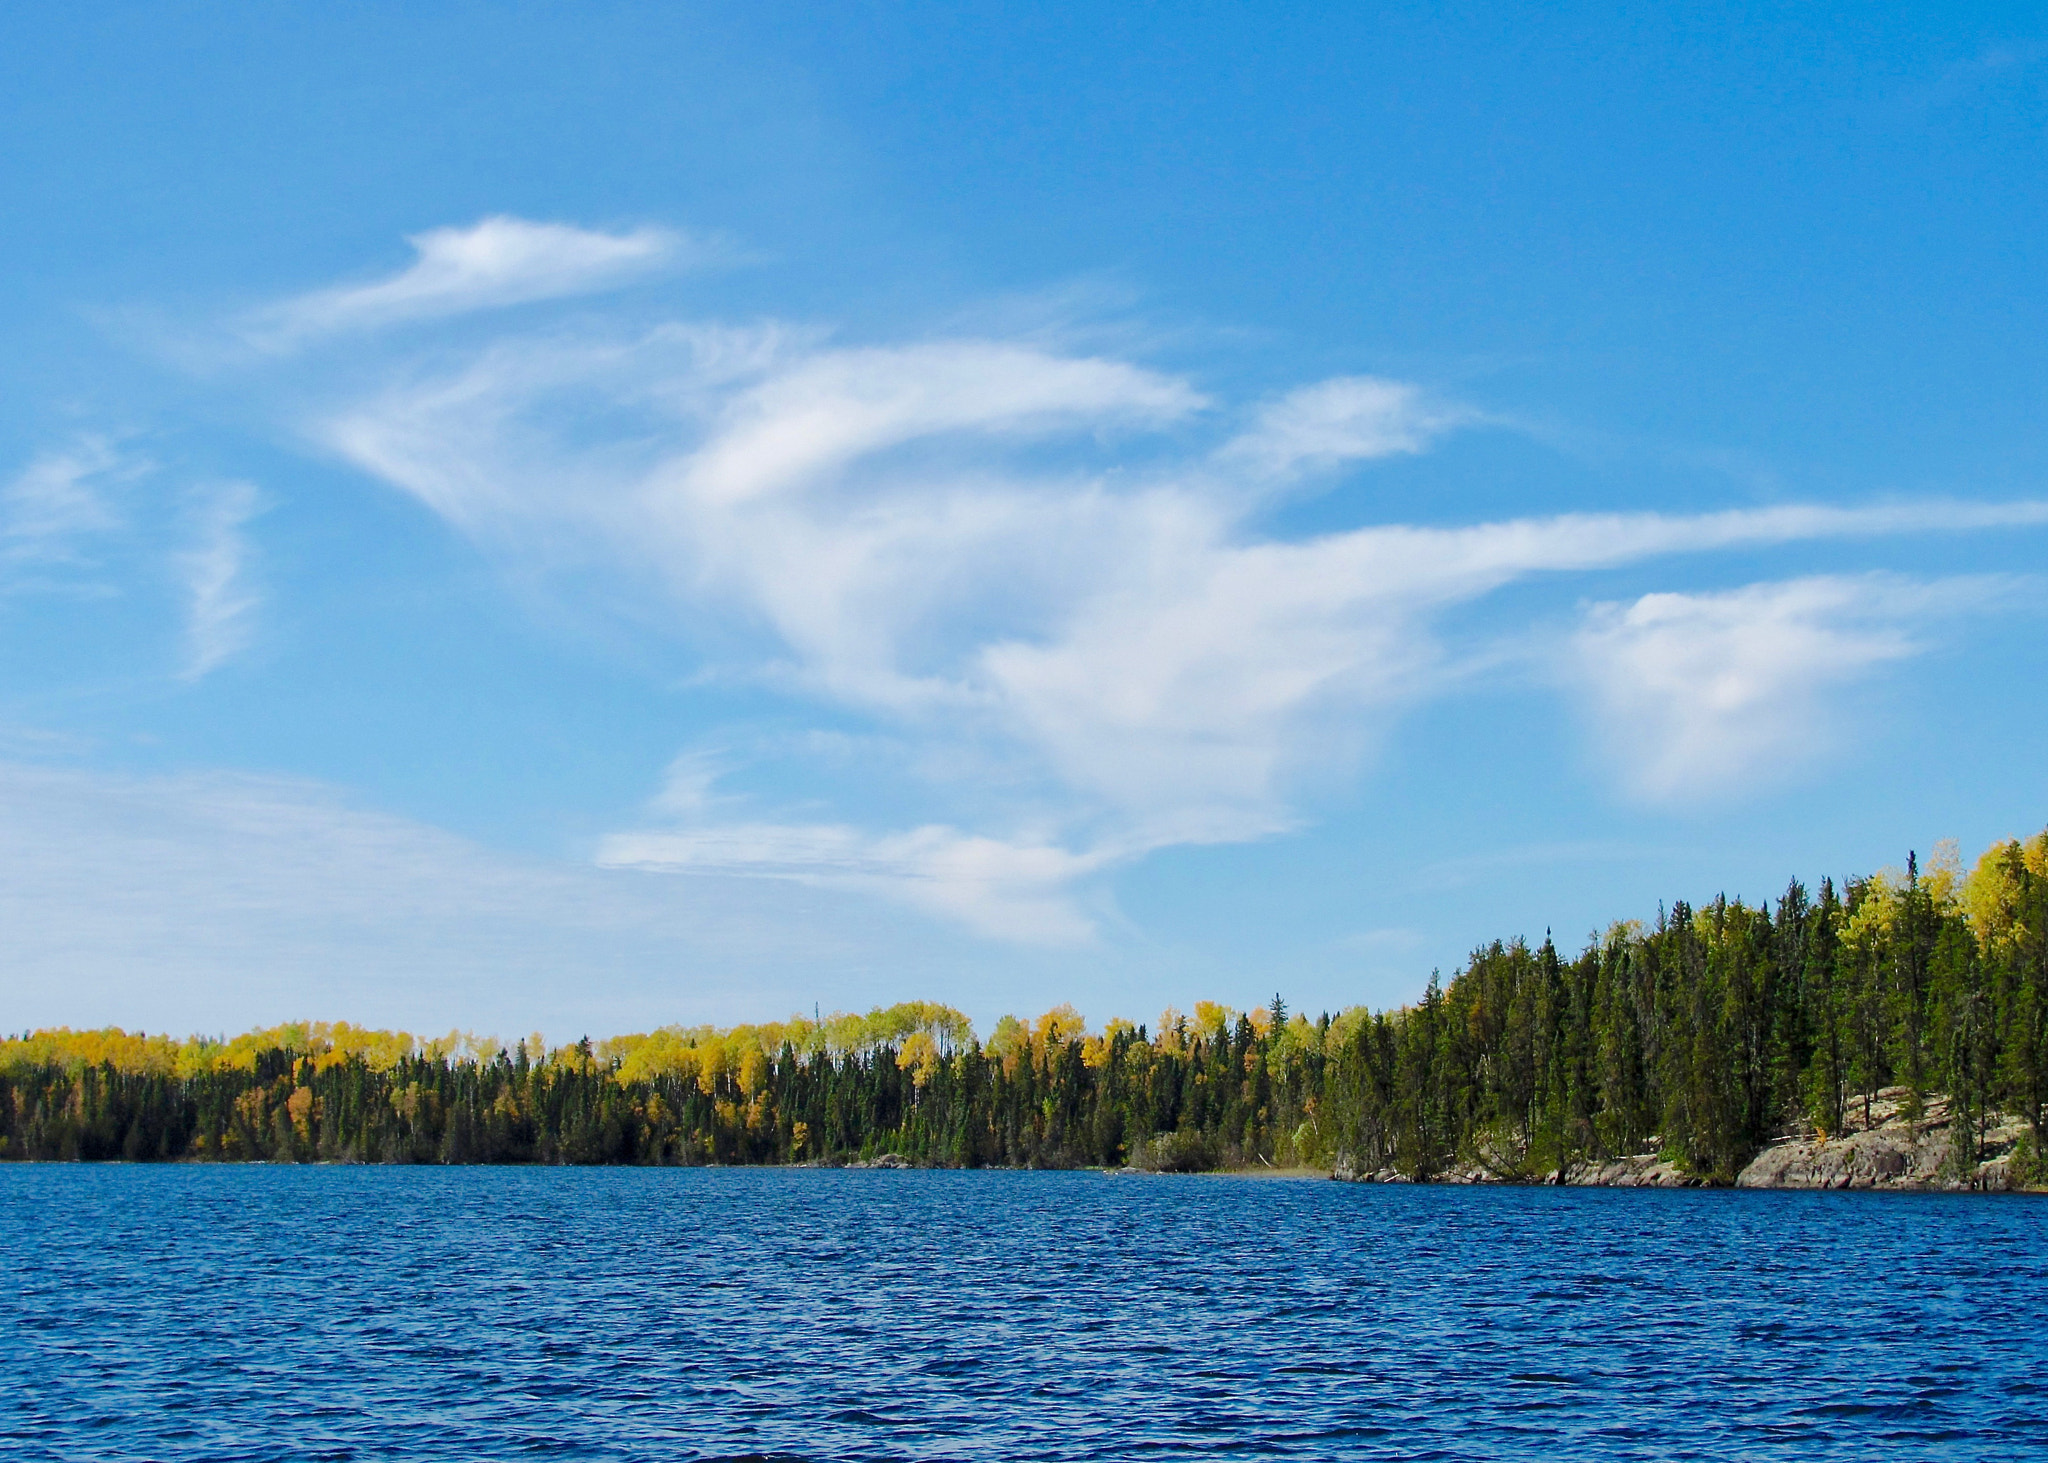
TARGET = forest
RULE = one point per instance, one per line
(1701, 1036)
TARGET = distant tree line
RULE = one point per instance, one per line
(1702, 1036)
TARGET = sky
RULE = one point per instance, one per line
(582, 518)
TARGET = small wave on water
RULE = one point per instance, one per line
(173, 1313)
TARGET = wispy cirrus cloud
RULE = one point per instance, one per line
(1005, 888)
(1015, 889)
(1045, 569)
(1347, 419)
(1691, 692)
(214, 568)
(93, 522)
(493, 263)
(59, 503)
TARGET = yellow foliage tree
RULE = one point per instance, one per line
(919, 1056)
(1059, 1026)
(1213, 1021)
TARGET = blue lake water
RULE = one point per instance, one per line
(338, 1313)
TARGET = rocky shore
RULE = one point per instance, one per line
(1894, 1152)
(1891, 1151)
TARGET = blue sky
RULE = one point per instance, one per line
(589, 517)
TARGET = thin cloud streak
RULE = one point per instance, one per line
(1346, 419)
(58, 501)
(493, 263)
(220, 603)
(1004, 890)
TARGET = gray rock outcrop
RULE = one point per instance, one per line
(1888, 1150)
(883, 1160)
(1643, 1171)
(1894, 1152)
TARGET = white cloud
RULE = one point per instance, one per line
(759, 480)
(817, 414)
(1162, 672)
(72, 523)
(687, 786)
(1006, 890)
(1696, 693)
(1097, 650)
(1348, 419)
(219, 600)
(493, 263)
(58, 501)
(1182, 697)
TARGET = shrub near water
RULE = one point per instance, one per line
(1705, 1035)
(1175, 1153)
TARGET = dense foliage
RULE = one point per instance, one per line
(1702, 1036)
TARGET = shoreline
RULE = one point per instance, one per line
(1646, 1171)
(1892, 1149)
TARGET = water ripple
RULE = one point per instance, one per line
(416, 1314)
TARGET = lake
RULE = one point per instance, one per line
(160, 1313)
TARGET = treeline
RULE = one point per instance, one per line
(1702, 1036)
